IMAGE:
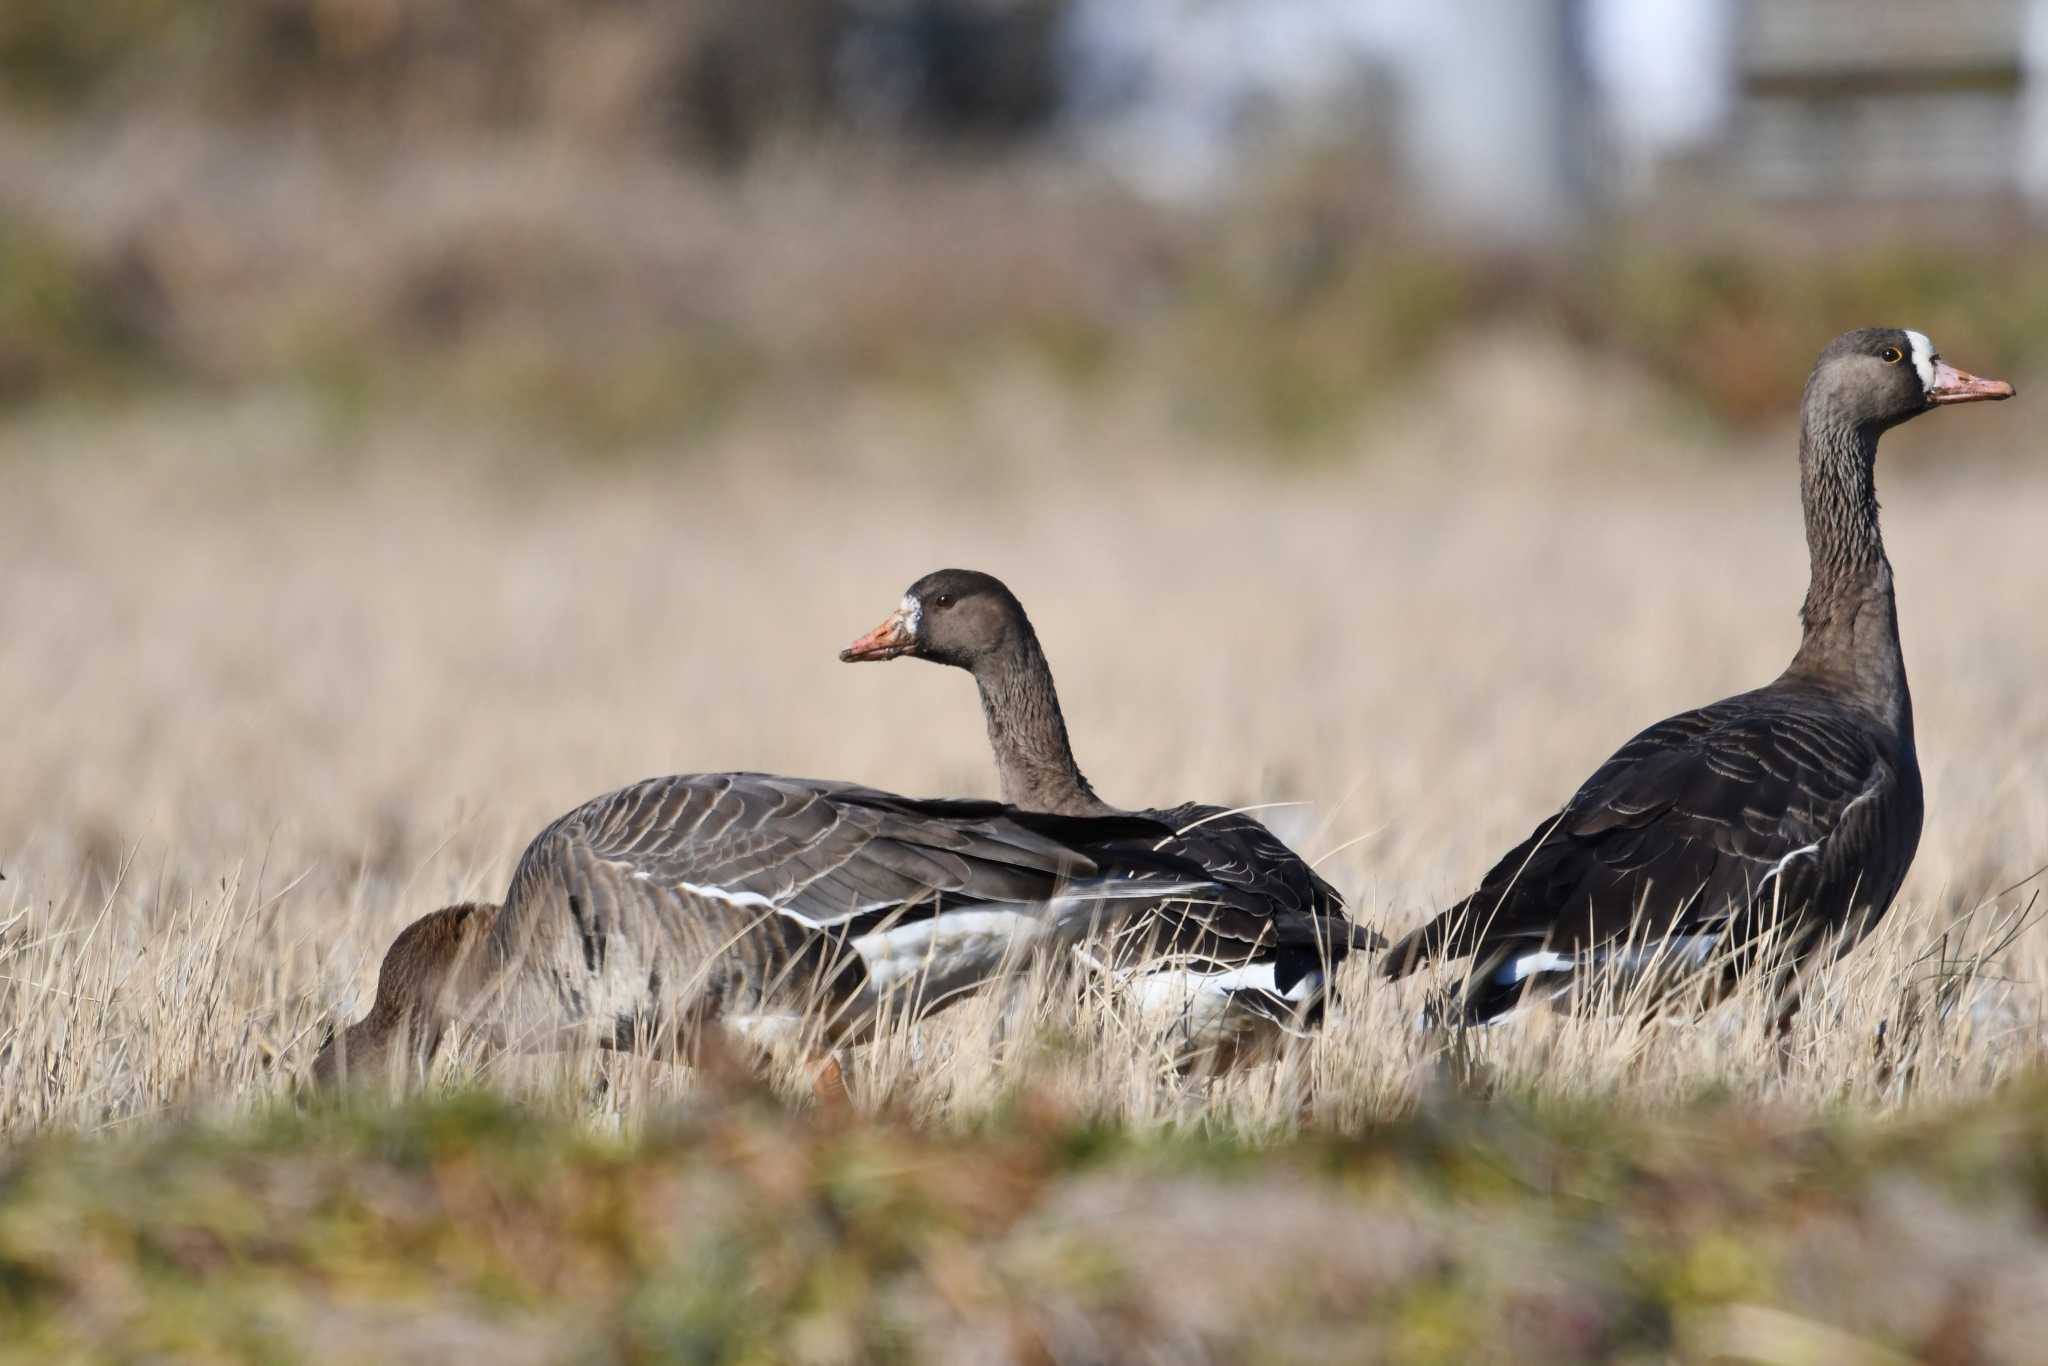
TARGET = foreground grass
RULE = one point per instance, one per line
(736, 1229)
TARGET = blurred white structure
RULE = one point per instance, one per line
(1888, 97)
(1488, 116)
(1496, 112)
(1512, 115)
(1172, 93)
(1663, 74)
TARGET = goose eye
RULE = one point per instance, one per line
(943, 600)
(1891, 355)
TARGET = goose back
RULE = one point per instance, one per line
(1771, 817)
(790, 908)
(1266, 895)
(766, 900)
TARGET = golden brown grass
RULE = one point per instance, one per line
(273, 690)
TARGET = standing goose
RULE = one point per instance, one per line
(1787, 815)
(1257, 950)
(778, 906)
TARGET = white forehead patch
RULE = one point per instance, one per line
(913, 613)
(1923, 357)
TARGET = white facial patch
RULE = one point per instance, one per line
(913, 611)
(1924, 356)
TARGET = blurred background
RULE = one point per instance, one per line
(639, 224)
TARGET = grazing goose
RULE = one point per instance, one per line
(1793, 808)
(1256, 951)
(784, 907)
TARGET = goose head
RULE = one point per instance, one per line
(951, 616)
(412, 1005)
(1877, 377)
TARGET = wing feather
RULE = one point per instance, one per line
(1715, 819)
(1267, 896)
(826, 852)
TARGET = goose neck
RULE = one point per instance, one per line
(1028, 733)
(1849, 621)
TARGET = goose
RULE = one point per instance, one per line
(1777, 820)
(1256, 954)
(781, 908)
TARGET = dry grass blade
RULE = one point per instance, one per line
(440, 667)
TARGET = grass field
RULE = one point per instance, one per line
(275, 685)
(274, 692)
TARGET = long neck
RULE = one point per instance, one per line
(1034, 761)
(1850, 621)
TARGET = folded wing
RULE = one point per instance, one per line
(1708, 827)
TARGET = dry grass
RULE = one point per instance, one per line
(273, 692)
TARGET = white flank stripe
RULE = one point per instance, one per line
(1779, 866)
(1676, 951)
(946, 944)
(1092, 894)
(1869, 793)
(1190, 1004)
(1679, 951)
(977, 941)
(1201, 1007)
(1923, 357)
(725, 894)
(1250, 977)
(755, 901)
(1261, 977)
(1529, 964)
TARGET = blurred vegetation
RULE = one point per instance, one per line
(60, 324)
(631, 220)
(54, 55)
(714, 80)
(740, 1231)
(1254, 345)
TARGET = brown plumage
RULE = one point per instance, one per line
(1793, 809)
(1263, 946)
(417, 995)
(788, 907)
